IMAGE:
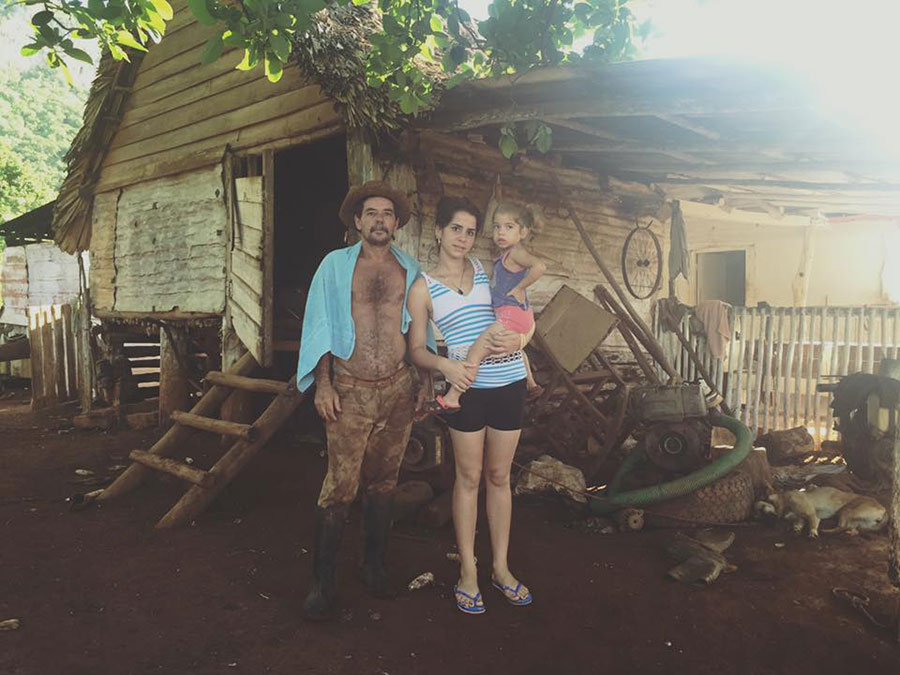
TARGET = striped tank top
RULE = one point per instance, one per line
(462, 318)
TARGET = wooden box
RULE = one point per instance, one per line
(573, 327)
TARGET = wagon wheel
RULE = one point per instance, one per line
(642, 262)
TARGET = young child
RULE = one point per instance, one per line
(514, 270)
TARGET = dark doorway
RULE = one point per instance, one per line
(310, 183)
(721, 275)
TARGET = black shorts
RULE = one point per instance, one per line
(501, 408)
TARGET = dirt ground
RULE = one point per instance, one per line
(101, 591)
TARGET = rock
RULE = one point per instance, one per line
(787, 446)
(548, 474)
(421, 581)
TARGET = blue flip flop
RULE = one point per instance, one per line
(512, 594)
(477, 603)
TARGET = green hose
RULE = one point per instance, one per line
(615, 500)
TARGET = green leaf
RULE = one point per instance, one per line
(361, 2)
(233, 39)
(96, 7)
(281, 46)
(544, 139)
(508, 145)
(30, 49)
(407, 104)
(199, 9)
(123, 37)
(66, 73)
(436, 24)
(79, 54)
(212, 51)
(41, 18)
(246, 63)
(163, 8)
(274, 69)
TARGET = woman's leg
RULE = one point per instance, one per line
(501, 446)
(468, 453)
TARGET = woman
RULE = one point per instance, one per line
(456, 295)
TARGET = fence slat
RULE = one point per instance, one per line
(870, 330)
(818, 376)
(859, 340)
(789, 367)
(832, 369)
(737, 402)
(762, 382)
(779, 349)
(751, 371)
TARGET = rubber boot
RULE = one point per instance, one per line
(377, 523)
(320, 603)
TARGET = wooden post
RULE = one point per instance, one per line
(134, 475)
(174, 388)
(894, 558)
(240, 405)
(69, 336)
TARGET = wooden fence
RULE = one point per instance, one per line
(54, 367)
(777, 356)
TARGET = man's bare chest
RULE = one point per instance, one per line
(378, 289)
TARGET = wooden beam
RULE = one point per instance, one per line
(253, 384)
(197, 499)
(685, 123)
(173, 467)
(596, 132)
(213, 425)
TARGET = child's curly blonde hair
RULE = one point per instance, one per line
(526, 216)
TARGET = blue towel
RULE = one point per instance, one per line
(328, 322)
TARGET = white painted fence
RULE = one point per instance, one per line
(777, 356)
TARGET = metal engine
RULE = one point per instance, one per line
(866, 409)
(677, 433)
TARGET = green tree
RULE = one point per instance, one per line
(20, 190)
(38, 119)
(418, 36)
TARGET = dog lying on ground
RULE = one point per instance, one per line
(809, 507)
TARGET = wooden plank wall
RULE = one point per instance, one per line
(452, 166)
(181, 114)
(245, 288)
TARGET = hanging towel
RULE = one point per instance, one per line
(328, 322)
(715, 317)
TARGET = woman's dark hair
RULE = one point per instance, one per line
(447, 207)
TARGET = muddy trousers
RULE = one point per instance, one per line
(365, 445)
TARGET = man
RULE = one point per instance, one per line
(353, 346)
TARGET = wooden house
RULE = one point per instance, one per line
(208, 195)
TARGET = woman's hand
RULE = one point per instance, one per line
(504, 342)
(460, 374)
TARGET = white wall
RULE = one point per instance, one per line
(851, 260)
(160, 245)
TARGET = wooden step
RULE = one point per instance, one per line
(254, 384)
(139, 351)
(173, 467)
(243, 431)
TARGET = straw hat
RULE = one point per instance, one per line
(374, 188)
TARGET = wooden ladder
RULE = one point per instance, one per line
(250, 439)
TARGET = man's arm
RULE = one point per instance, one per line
(327, 401)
